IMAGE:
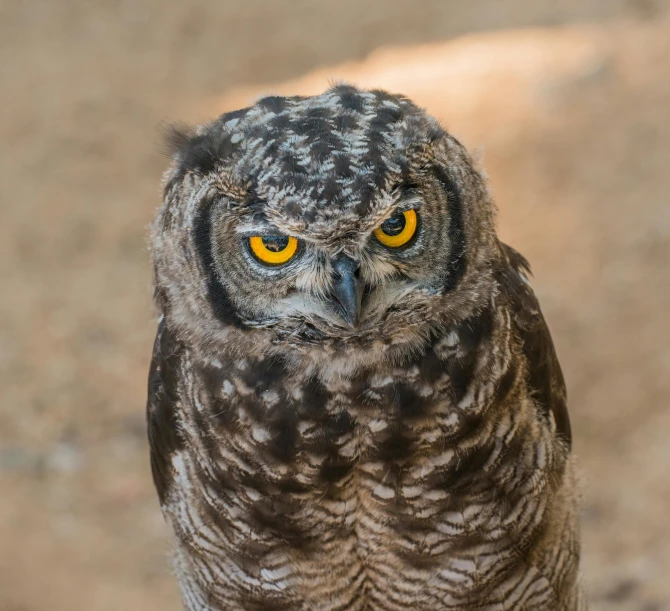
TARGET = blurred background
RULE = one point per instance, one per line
(568, 107)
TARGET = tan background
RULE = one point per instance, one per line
(568, 104)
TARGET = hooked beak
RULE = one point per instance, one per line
(347, 290)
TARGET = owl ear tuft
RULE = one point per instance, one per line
(196, 149)
(175, 138)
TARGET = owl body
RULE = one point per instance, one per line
(366, 425)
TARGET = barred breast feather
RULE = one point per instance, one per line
(443, 482)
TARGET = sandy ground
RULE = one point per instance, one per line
(573, 126)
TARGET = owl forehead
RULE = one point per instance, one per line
(325, 163)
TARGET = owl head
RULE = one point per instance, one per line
(345, 219)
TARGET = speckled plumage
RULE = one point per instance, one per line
(419, 459)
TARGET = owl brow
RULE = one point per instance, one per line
(255, 222)
(411, 203)
(403, 203)
(406, 196)
(256, 226)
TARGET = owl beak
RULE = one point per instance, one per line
(347, 290)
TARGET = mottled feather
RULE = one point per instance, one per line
(417, 455)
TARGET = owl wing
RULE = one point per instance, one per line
(163, 404)
(545, 377)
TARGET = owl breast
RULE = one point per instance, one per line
(372, 491)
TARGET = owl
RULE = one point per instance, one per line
(354, 400)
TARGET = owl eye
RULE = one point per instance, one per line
(398, 230)
(273, 249)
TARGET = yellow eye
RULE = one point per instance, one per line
(273, 249)
(397, 230)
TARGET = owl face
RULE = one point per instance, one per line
(342, 281)
(335, 217)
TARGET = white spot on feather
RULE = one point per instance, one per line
(260, 434)
(383, 492)
(377, 425)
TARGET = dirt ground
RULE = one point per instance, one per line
(569, 105)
